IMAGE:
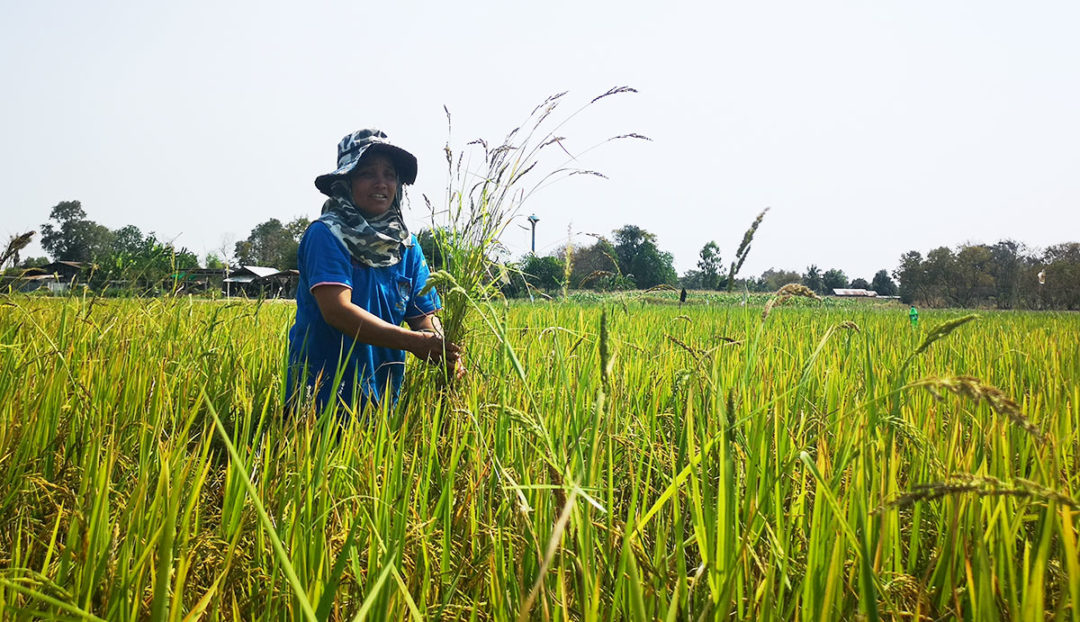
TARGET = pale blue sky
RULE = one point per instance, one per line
(869, 128)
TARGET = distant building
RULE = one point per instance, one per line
(32, 280)
(261, 282)
(58, 277)
(855, 293)
(65, 271)
(247, 281)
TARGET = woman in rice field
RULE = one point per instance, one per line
(361, 273)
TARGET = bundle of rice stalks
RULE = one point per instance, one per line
(785, 293)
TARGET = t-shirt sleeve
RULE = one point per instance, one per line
(323, 260)
(419, 272)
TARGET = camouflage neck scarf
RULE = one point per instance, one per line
(375, 242)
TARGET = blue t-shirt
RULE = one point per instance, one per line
(392, 293)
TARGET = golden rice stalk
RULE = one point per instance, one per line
(693, 351)
(785, 293)
(796, 289)
(980, 485)
(973, 389)
(14, 246)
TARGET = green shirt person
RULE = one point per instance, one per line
(913, 315)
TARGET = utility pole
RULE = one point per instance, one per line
(533, 220)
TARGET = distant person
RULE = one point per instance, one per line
(682, 296)
(913, 315)
(361, 273)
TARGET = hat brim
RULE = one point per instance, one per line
(404, 163)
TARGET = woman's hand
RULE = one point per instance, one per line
(434, 348)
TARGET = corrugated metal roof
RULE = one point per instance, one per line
(70, 264)
(247, 274)
(854, 292)
(258, 271)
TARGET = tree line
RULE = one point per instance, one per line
(633, 260)
(1005, 275)
(128, 259)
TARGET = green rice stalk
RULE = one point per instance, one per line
(49, 600)
(940, 332)
(279, 550)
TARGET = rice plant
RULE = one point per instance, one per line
(651, 462)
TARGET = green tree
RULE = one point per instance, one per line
(692, 279)
(1007, 266)
(912, 277)
(543, 273)
(834, 279)
(882, 284)
(272, 244)
(772, 280)
(860, 283)
(1062, 276)
(595, 267)
(654, 267)
(812, 278)
(431, 248)
(130, 240)
(70, 236)
(941, 276)
(214, 262)
(638, 255)
(709, 264)
(974, 278)
(629, 239)
(141, 263)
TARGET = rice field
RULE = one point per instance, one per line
(603, 460)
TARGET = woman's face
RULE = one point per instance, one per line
(374, 185)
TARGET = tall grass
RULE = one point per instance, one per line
(488, 184)
(607, 462)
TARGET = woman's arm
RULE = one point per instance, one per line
(338, 310)
(429, 322)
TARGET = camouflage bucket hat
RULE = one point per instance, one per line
(355, 145)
